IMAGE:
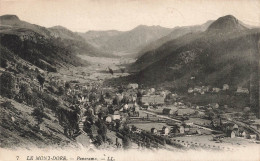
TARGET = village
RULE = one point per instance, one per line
(132, 116)
(129, 116)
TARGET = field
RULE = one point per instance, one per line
(148, 126)
(208, 140)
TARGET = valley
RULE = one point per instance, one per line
(150, 88)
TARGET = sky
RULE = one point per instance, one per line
(84, 15)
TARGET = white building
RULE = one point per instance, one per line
(132, 85)
(242, 90)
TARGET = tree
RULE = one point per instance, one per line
(4, 63)
(61, 91)
(108, 95)
(102, 99)
(7, 85)
(134, 128)
(139, 94)
(26, 91)
(37, 70)
(99, 140)
(126, 142)
(102, 131)
(39, 114)
(116, 101)
(148, 143)
(121, 90)
(92, 97)
(100, 115)
(67, 85)
(7, 104)
(117, 125)
(41, 80)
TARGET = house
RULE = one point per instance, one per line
(146, 105)
(197, 89)
(120, 96)
(186, 129)
(97, 109)
(116, 116)
(108, 101)
(233, 134)
(215, 90)
(136, 108)
(158, 100)
(257, 124)
(91, 111)
(133, 98)
(252, 136)
(198, 131)
(198, 121)
(235, 127)
(154, 131)
(151, 91)
(246, 109)
(132, 86)
(214, 105)
(185, 111)
(244, 134)
(190, 90)
(242, 90)
(217, 122)
(153, 99)
(205, 88)
(200, 113)
(139, 131)
(182, 129)
(225, 87)
(165, 130)
(168, 111)
(164, 93)
(125, 106)
(81, 99)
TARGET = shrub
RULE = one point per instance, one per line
(4, 63)
(39, 114)
(61, 91)
(41, 80)
(7, 104)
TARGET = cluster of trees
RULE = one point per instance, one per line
(102, 132)
(40, 114)
(7, 85)
(143, 139)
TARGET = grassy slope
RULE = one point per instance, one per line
(23, 131)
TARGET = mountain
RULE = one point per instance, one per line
(213, 32)
(176, 33)
(13, 22)
(47, 48)
(35, 44)
(75, 42)
(97, 38)
(64, 33)
(220, 55)
(226, 24)
(126, 42)
(34, 113)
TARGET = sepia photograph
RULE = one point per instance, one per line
(129, 80)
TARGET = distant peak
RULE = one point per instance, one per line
(59, 27)
(228, 22)
(228, 17)
(148, 27)
(141, 26)
(9, 17)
